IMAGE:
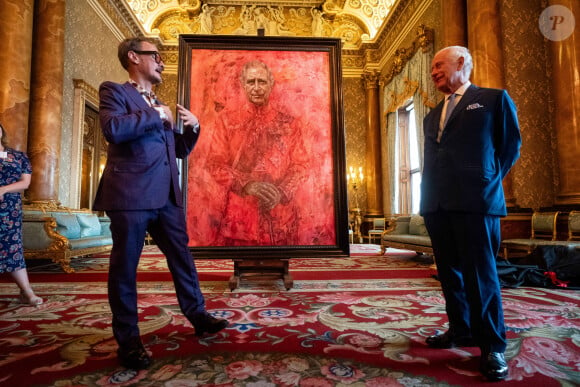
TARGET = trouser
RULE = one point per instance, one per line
(167, 227)
(465, 246)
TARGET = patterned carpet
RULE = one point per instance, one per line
(358, 321)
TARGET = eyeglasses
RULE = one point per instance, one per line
(156, 55)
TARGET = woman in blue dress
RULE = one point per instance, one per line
(15, 173)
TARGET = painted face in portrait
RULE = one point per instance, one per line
(257, 85)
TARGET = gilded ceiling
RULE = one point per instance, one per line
(365, 27)
(353, 21)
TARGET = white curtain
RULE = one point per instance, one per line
(413, 81)
(392, 167)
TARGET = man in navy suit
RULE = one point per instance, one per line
(466, 158)
(140, 192)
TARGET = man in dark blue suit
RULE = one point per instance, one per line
(466, 157)
(140, 192)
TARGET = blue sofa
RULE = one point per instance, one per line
(62, 233)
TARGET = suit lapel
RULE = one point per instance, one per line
(433, 129)
(135, 95)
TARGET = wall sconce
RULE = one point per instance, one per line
(355, 180)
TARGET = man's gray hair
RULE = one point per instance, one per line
(457, 52)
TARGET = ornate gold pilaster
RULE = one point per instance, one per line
(374, 182)
(15, 51)
(566, 94)
(46, 99)
(485, 44)
(453, 17)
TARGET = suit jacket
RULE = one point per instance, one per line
(479, 145)
(141, 171)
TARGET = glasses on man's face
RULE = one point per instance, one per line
(156, 55)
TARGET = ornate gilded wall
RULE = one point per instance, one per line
(355, 128)
(405, 31)
(527, 81)
(90, 55)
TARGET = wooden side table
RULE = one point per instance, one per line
(275, 268)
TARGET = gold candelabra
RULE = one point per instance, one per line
(355, 180)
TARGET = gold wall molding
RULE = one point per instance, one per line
(116, 16)
(91, 93)
(423, 40)
(400, 27)
(84, 94)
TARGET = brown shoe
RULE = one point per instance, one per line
(447, 340)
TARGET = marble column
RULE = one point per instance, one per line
(373, 166)
(453, 17)
(565, 56)
(46, 100)
(485, 43)
(15, 58)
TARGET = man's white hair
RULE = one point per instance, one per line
(457, 52)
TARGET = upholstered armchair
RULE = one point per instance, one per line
(543, 230)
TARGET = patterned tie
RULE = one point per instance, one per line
(150, 96)
(450, 106)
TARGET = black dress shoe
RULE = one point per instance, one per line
(133, 355)
(494, 367)
(206, 323)
(447, 340)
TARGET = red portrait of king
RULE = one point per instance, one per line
(262, 171)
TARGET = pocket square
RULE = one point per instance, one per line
(474, 106)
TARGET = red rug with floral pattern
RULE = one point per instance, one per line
(358, 321)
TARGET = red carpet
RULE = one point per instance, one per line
(358, 321)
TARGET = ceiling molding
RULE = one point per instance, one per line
(370, 14)
(365, 27)
(106, 18)
(115, 12)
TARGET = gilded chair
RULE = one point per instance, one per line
(543, 230)
(574, 226)
(377, 230)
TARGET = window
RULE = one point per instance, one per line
(408, 160)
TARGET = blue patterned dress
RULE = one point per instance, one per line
(11, 252)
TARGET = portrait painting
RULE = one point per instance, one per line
(265, 173)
